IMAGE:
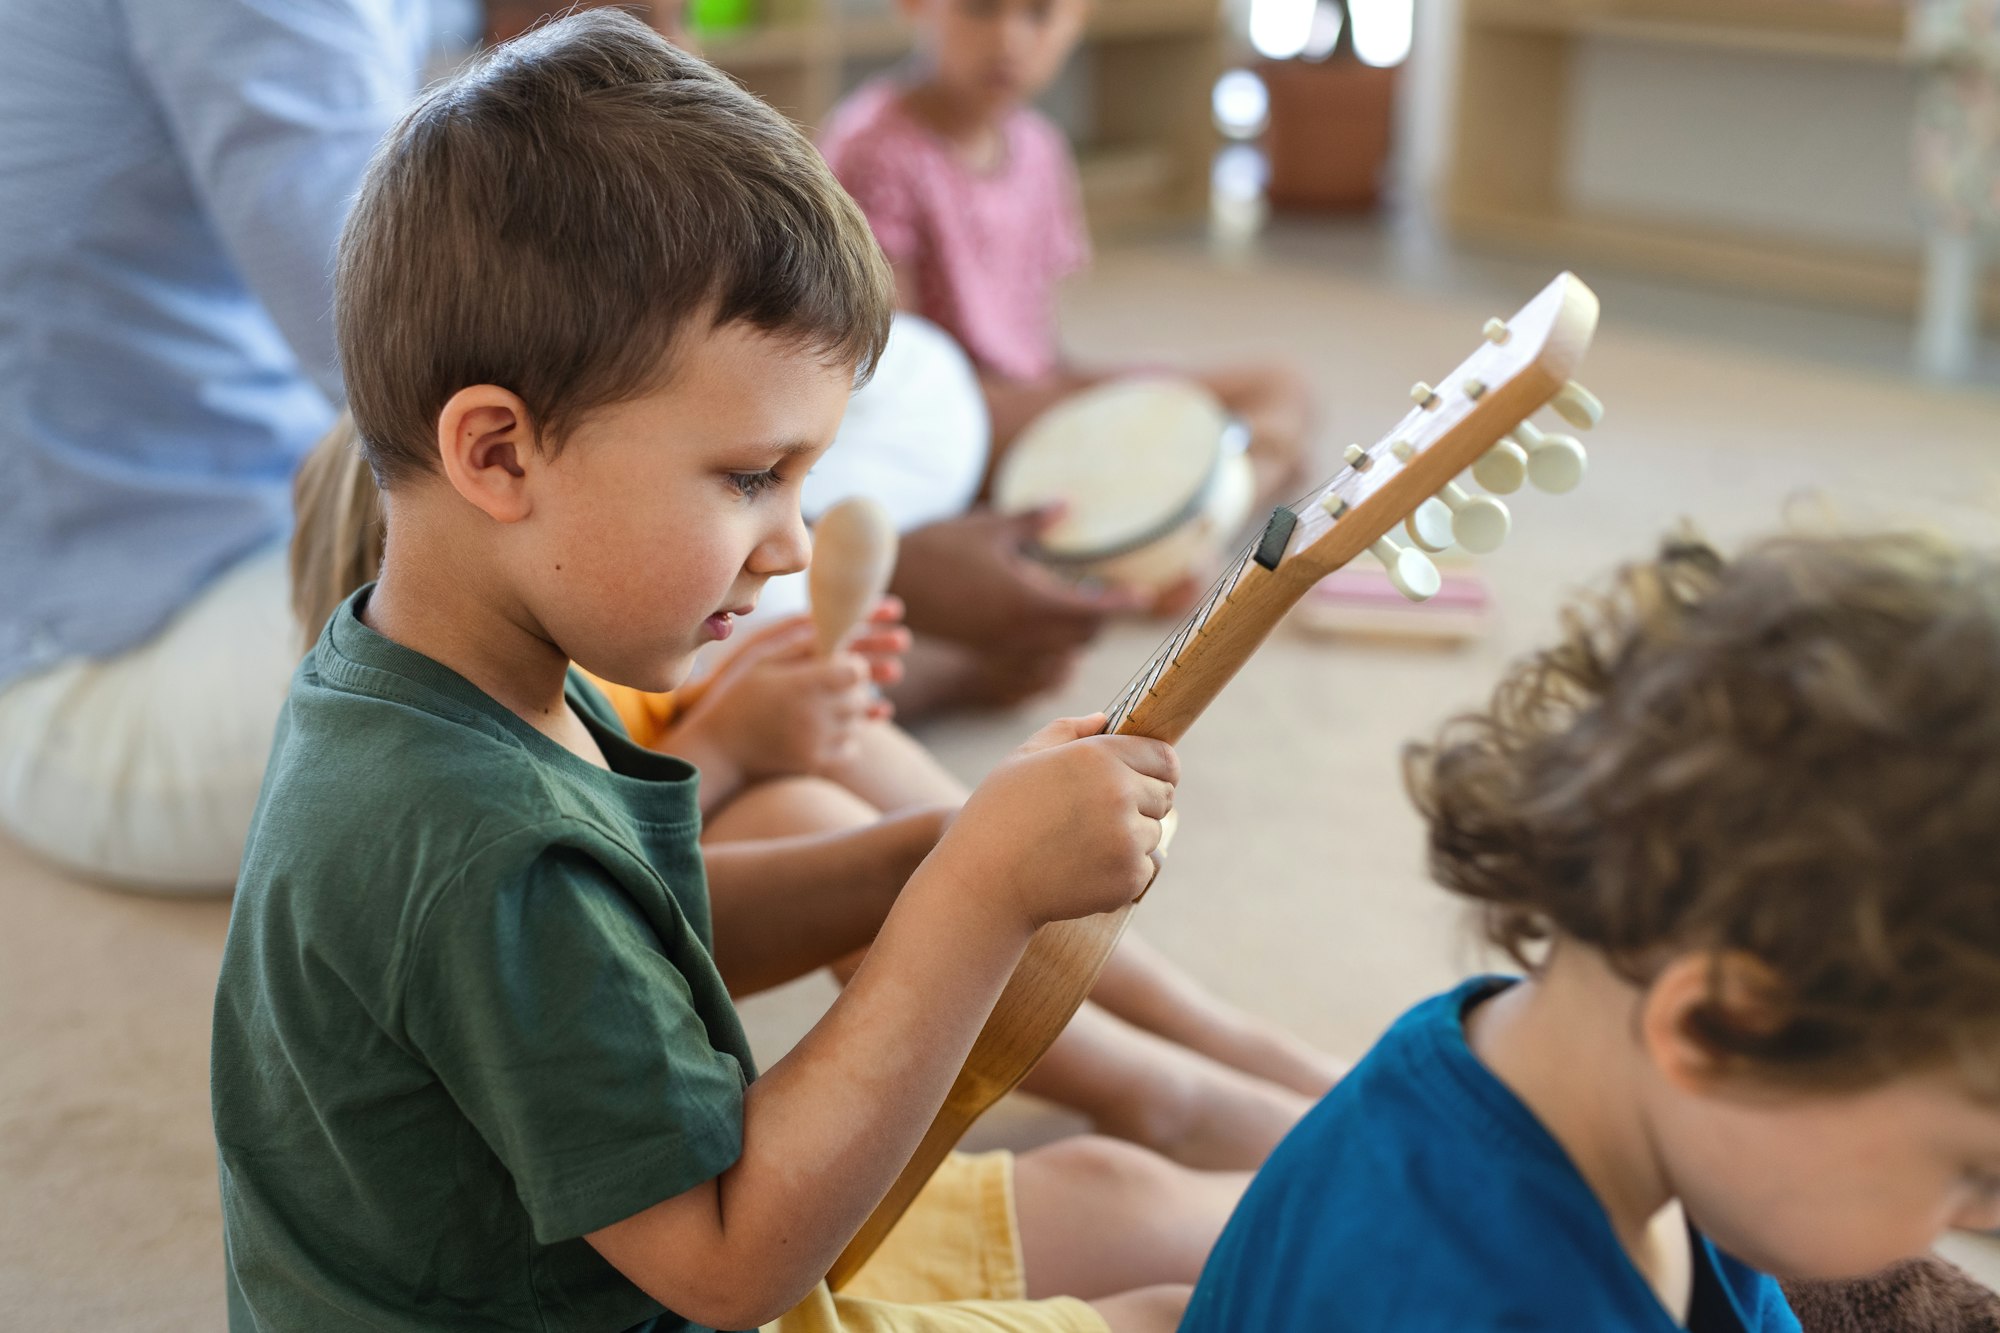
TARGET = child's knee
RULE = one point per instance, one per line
(1147, 1310)
(1111, 1170)
(789, 807)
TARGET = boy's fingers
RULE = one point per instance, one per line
(889, 610)
(1153, 798)
(1062, 731)
(1141, 754)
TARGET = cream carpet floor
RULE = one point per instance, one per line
(1296, 887)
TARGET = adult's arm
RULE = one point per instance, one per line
(276, 106)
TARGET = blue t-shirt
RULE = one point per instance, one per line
(1421, 1196)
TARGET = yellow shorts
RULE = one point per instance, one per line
(952, 1265)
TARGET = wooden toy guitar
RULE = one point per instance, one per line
(1476, 418)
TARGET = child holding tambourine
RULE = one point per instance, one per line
(973, 196)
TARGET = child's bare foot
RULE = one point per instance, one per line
(1146, 1090)
(1275, 1055)
(1203, 1114)
(1144, 988)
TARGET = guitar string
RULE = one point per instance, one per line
(1143, 681)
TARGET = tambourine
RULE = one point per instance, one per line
(1153, 473)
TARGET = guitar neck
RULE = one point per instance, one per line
(1205, 652)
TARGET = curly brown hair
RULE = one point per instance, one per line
(1793, 755)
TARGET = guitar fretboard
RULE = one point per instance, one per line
(1190, 628)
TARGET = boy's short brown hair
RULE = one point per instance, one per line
(555, 218)
(1794, 755)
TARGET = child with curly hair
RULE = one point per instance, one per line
(1738, 830)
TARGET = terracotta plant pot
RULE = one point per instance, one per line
(1329, 136)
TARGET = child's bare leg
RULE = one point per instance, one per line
(891, 770)
(1146, 989)
(1148, 1310)
(1101, 1218)
(1277, 406)
(1147, 1090)
(1199, 1111)
(788, 808)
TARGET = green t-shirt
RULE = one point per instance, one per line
(468, 1010)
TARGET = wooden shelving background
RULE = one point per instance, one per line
(1506, 182)
(1151, 64)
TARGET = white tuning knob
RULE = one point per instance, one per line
(1578, 406)
(1556, 463)
(1430, 526)
(1502, 469)
(1480, 522)
(1497, 331)
(1410, 570)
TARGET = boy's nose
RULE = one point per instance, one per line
(787, 551)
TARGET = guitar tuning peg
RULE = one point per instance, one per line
(1502, 469)
(1556, 463)
(1430, 527)
(1497, 331)
(1410, 570)
(1479, 522)
(1577, 405)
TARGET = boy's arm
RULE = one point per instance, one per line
(785, 906)
(1063, 829)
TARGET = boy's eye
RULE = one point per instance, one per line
(754, 483)
(1984, 1182)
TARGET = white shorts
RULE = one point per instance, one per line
(142, 770)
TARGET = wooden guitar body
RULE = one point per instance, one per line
(1525, 364)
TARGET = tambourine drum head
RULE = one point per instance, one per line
(1131, 459)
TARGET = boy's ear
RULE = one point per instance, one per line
(486, 446)
(1697, 993)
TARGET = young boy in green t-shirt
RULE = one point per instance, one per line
(599, 312)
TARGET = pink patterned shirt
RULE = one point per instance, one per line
(986, 248)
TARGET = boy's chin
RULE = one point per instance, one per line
(657, 676)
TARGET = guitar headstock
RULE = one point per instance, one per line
(1474, 418)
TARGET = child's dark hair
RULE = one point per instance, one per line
(1794, 755)
(557, 217)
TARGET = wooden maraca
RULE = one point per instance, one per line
(854, 550)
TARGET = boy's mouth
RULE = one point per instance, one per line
(723, 623)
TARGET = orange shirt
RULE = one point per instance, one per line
(647, 717)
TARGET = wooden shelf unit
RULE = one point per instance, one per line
(1506, 183)
(1152, 66)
